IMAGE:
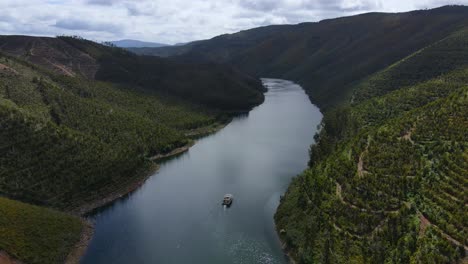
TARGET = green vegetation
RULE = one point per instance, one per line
(80, 122)
(211, 84)
(386, 181)
(35, 234)
(329, 57)
(68, 141)
(64, 139)
(439, 58)
(387, 178)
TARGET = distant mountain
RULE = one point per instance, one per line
(325, 57)
(165, 51)
(131, 43)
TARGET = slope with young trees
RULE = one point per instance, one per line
(387, 177)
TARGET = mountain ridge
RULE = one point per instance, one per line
(319, 55)
(133, 43)
(74, 56)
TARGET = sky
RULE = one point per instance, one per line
(176, 21)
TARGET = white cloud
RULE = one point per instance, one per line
(178, 20)
(85, 25)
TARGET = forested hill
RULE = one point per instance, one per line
(330, 56)
(211, 84)
(78, 116)
(387, 180)
(80, 124)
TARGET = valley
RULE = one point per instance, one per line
(144, 142)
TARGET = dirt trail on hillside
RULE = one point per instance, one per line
(426, 222)
(3, 67)
(360, 166)
(407, 135)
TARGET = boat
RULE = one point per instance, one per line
(227, 200)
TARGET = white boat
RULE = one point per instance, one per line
(227, 200)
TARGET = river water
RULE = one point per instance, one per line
(177, 216)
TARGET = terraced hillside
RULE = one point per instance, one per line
(387, 182)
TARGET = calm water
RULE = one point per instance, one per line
(177, 217)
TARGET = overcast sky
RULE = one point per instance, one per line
(173, 21)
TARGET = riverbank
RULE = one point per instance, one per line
(126, 189)
(114, 193)
(80, 248)
(193, 134)
(207, 130)
(284, 246)
(248, 159)
(172, 153)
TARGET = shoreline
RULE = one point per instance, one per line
(88, 207)
(286, 252)
(78, 251)
(173, 152)
(80, 247)
(103, 201)
(206, 131)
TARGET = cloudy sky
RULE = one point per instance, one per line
(173, 21)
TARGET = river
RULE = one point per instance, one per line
(177, 216)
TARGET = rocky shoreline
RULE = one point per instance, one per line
(172, 153)
(286, 251)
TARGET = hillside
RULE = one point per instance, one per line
(81, 122)
(214, 85)
(327, 57)
(37, 235)
(109, 129)
(163, 52)
(386, 182)
(75, 136)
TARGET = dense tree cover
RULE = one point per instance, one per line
(80, 120)
(328, 58)
(387, 178)
(439, 58)
(35, 234)
(212, 84)
(65, 139)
